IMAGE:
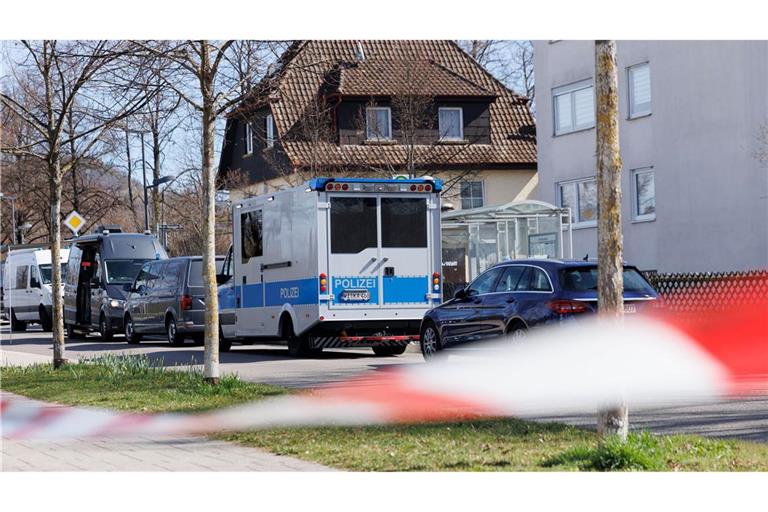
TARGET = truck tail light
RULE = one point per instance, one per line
(186, 302)
(427, 187)
(566, 307)
(323, 283)
(436, 281)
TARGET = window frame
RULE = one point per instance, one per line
(461, 125)
(248, 139)
(368, 136)
(270, 130)
(482, 193)
(575, 212)
(571, 89)
(636, 216)
(631, 90)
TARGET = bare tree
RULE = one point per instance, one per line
(613, 420)
(75, 75)
(511, 62)
(207, 76)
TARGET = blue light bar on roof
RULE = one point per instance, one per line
(377, 184)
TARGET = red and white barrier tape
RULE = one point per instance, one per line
(644, 362)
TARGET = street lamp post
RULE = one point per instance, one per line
(155, 183)
(144, 179)
(12, 199)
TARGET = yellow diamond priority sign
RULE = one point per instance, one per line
(74, 221)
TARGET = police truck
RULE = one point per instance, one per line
(335, 262)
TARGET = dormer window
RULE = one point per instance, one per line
(248, 139)
(451, 123)
(378, 123)
(270, 131)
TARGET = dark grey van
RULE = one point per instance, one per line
(102, 266)
(167, 298)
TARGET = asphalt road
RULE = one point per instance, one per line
(742, 419)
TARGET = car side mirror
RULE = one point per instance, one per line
(141, 289)
(461, 293)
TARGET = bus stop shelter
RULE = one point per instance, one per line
(477, 238)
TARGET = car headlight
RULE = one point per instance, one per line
(116, 303)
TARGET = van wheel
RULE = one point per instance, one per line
(131, 336)
(16, 324)
(73, 334)
(389, 351)
(225, 345)
(45, 321)
(298, 346)
(105, 330)
(171, 332)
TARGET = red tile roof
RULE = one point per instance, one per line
(444, 69)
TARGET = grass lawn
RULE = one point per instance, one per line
(131, 383)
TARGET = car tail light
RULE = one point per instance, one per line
(186, 302)
(566, 307)
(323, 283)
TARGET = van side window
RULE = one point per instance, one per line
(22, 275)
(74, 265)
(251, 235)
(172, 274)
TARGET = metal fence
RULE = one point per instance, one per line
(691, 293)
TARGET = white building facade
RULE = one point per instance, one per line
(694, 119)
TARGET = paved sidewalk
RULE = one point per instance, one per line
(142, 454)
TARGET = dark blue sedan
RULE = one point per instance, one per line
(514, 296)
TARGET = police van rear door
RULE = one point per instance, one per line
(379, 248)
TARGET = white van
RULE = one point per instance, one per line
(27, 287)
(335, 262)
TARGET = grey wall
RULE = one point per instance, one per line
(709, 100)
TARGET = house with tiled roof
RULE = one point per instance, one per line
(380, 108)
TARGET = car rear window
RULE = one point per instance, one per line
(581, 279)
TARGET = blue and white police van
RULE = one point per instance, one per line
(335, 262)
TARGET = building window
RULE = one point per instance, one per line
(639, 87)
(251, 234)
(270, 131)
(574, 107)
(378, 123)
(248, 139)
(451, 123)
(471, 194)
(643, 194)
(581, 197)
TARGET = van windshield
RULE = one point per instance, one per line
(46, 272)
(122, 271)
(579, 279)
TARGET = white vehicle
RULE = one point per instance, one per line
(27, 287)
(336, 262)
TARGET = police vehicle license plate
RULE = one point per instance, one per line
(355, 296)
(630, 308)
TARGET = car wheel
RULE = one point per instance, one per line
(131, 336)
(16, 324)
(517, 332)
(389, 351)
(430, 341)
(105, 330)
(172, 333)
(45, 321)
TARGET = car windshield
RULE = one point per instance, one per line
(46, 273)
(122, 271)
(581, 279)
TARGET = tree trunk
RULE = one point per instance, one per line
(613, 421)
(57, 310)
(211, 358)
